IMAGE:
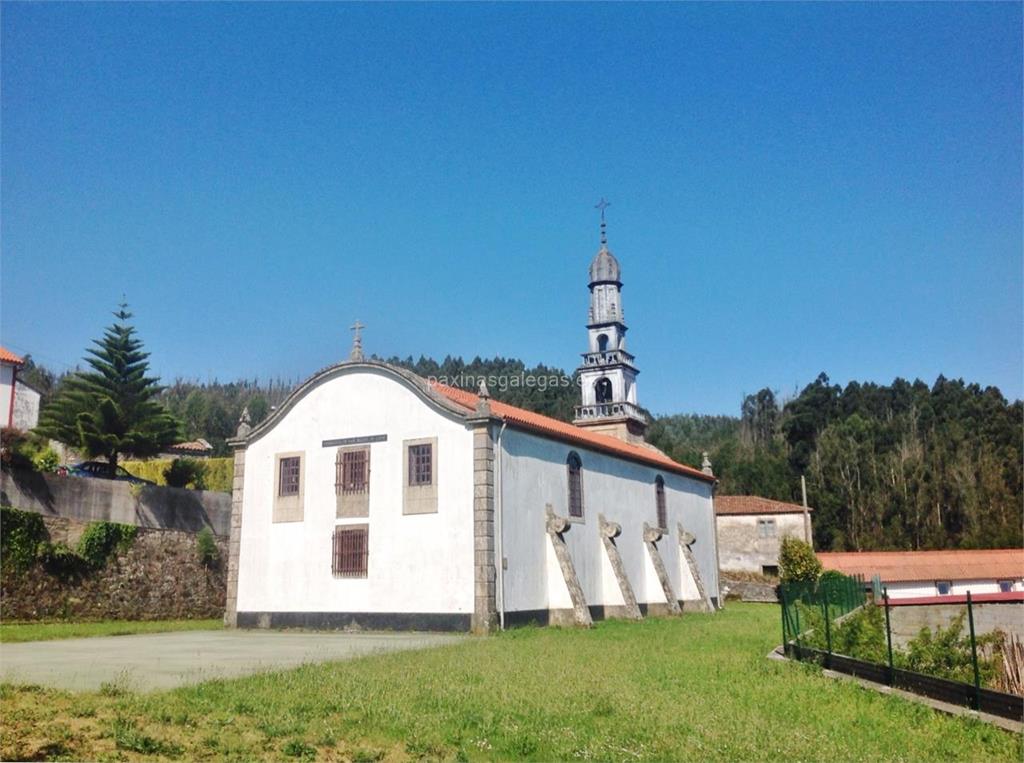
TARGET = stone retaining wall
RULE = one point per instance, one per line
(160, 577)
(908, 620)
(92, 500)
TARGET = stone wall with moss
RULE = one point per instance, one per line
(152, 575)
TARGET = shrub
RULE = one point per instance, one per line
(47, 460)
(101, 539)
(21, 532)
(207, 547)
(797, 562)
(20, 449)
(218, 477)
(186, 471)
(946, 653)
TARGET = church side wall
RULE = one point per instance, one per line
(533, 474)
(419, 566)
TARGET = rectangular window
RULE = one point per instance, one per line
(944, 587)
(1005, 586)
(421, 464)
(351, 551)
(766, 528)
(770, 570)
(288, 484)
(352, 472)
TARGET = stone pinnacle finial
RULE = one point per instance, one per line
(482, 391)
(244, 424)
(357, 341)
(705, 464)
(483, 404)
(603, 205)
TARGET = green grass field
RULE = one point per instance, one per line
(12, 632)
(693, 688)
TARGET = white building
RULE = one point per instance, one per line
(19, 402)
(751, 529)
(374, 498)
(924, 574)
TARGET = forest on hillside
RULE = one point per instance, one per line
(901, 466)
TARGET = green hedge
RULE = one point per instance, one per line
(219, 471)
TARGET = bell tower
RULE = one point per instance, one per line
(608, 375)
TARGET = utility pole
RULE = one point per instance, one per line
(807, 513)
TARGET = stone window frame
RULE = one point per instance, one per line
(422, 498)
(351, 503)
(574, 497)
(289, 508)
(767, 527)
(336, 569)
(660, 503)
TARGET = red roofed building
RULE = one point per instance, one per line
(19, 402)
(953, 572)
(751, 528)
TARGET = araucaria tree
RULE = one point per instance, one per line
(111, 411)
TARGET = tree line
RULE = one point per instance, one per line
(898, 466)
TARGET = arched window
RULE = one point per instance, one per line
(574, 467)
(659, 501)
(602, 342)
(603, 390)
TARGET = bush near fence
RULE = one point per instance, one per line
(219, 472)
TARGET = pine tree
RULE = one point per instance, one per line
(111, 410)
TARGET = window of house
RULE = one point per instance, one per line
(351, 551)
(944, 587)
(352, 471)
(288, 487)
(766, 528)
(419, 478)
(1005, 586)
(659, 501)
(290, 476)
(574, 467)
(420, 464)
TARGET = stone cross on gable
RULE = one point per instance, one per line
(357, 341)
(603, 205)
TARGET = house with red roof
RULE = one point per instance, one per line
(375, 498)
(949, 573)
(751, 528)
(19, 401)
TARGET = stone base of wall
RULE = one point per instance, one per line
(160, 577)
(747, 588)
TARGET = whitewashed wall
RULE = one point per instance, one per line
(740, 547)
(913, 589)
(533, 474)
(419, 563)
(6, 389)
(26, 407)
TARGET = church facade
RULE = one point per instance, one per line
(373, 498)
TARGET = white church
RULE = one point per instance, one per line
(375, 499)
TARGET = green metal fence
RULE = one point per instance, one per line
(810, 608)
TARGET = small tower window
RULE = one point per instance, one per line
(659, 501)
(603, 390)
(602, 342)
(574, 467)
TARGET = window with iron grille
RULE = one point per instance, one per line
(575, 471)
(659, 500)
(288, 482)
(352, 471)
(351, 549)
(421, 459)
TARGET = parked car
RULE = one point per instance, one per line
(102, 470)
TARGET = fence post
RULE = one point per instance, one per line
(828, 632)
(796, 614)
(782, 607)
(888, 634)
(974, 653)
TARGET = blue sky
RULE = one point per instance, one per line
(795, 187)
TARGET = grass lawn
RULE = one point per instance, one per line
(12, 632)
(693, 688)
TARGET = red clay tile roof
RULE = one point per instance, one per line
(754, 504)
(6, 356)
(521, 418)
(905, 566)
(195, 446)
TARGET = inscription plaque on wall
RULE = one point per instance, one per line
(355, 440)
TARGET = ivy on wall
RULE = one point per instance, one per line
(25, 541)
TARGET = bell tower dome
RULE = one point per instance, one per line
(608, 375)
